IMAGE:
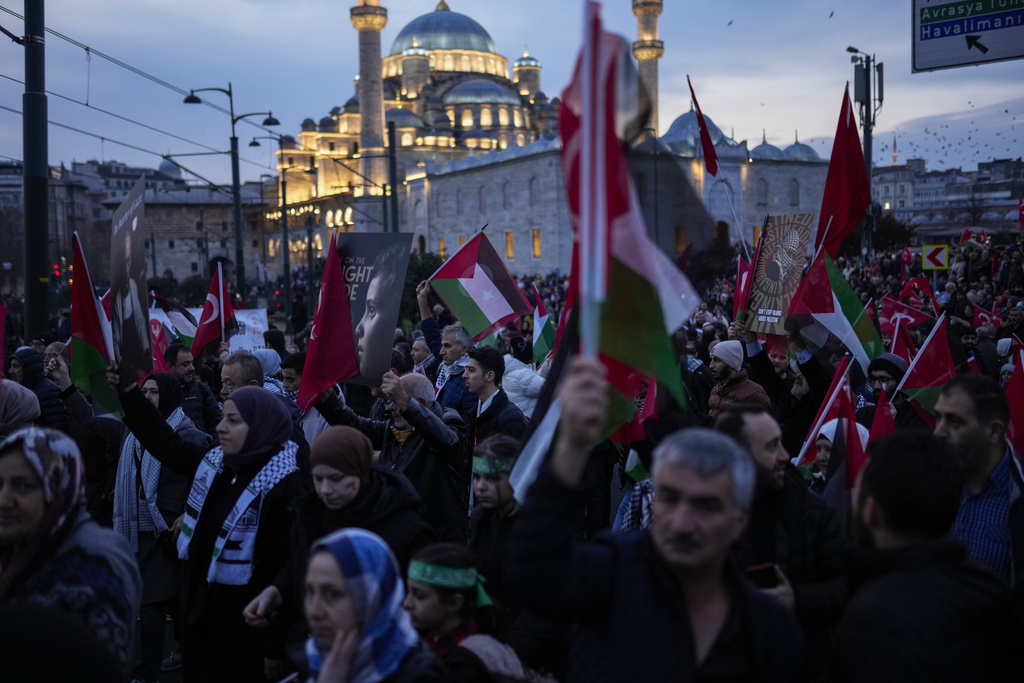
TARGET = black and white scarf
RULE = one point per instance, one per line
(446, 371)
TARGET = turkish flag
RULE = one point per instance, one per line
(707, 146)
(981, 316)
(331, 355)
(920, 283)
(883, 422)
(893, 310)
(217, 324)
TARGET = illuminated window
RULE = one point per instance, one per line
(462, 240)
(517, 118)
(406, 139)
(465, 64)
(440, 247)
(485, 117)
(449, 62)
(467, 118)
(536, 243)
(503, 141)
(520, 139)
(479, 63)
(503, 116)
(330, 219)
(510, 251)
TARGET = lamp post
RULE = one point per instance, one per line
(862, 93)
(286, 251)
(236, 188)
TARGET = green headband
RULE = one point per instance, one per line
(492, 465)
(450, 577)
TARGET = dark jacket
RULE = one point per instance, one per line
(433, 458)
(923, 613)
(796, 530)
(218, 644)
(629, 614)
(454, 393)
(51, 411)
(387, 505)
(737, 389)
(201, 406)
(501, 417)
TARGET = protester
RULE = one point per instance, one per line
(27, 370)
(678, 570)
(495, 413)
(792, 548)
(311, 421)
(271, 362)
(52, 553)
(349, 491)
(447, 600)
(200, 405)
(733, 384)
(520, 380)
(359, 631)
(451, 345)
(885, 373)
(972, 414)
(425, 363)
(235, 536)
(19, 407)
(421, 440)
(921, 610)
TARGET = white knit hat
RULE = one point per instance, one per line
(729, 352)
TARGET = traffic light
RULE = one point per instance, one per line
(56, 271)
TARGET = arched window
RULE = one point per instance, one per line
(460, 202)
(482, 199)
(449, 62)
(421, 241)
(465, 64)
(503, 116)
(762, 192)
(486, 119)
(534, 192)
(467, 118)
(406, 139)
(794, 192)
(506, 195)
(520, 139)
(517, 118)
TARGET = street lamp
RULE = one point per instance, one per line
(236, 188)
(862, 82)
(286, 255)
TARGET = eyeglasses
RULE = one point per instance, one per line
(879, 379)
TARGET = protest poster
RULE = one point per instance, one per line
(374, 265)
(129, 317)
(780, 262)
(252, 323)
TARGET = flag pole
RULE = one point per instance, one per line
(220, 279)
(938, 324)
(821, 418)
(592, 231)
(823, 238)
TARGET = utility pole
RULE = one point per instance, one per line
(867, 73)
(35, 150)
(392, 177)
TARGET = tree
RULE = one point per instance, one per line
(421, 266)
(890, 235)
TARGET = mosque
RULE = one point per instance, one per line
(472, 146)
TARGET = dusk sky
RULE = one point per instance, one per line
(779, 67)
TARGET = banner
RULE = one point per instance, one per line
(129, 317)
(374, 265)
(252, 323)
(780, 263)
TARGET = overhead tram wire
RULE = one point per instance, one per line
(104, 138)
(135, 70)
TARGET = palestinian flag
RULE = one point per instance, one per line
(183, 323)
(543, 330)
(476, 286)
(91, 346)
(826, 303)
(931, 368)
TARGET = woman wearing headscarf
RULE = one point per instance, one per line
(148, 499)
(19, 407)
(363, 636)
(349, 492)
(271, 362)
(235, 531)
(52, 553)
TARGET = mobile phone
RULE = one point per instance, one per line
(763, 575)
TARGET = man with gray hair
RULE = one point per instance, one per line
(451, 345)
(661, 604)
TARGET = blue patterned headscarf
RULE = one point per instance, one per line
(375, 584)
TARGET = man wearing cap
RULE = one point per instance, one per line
(732, 383)
(885, 372)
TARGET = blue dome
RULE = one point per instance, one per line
(685, 129)
(766, 151)
(169, 168)
(801, 152)
(444, 30)
(403, 118)
(480, 91)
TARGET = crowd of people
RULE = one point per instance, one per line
(377, 535)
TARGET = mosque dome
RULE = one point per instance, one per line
(443, 29)
(526, 60)
(403, 118)
(480, 91)
(328, 125)
(169, 168)
(798, 151)
(766, 151)
(308, 125)
(685, 128)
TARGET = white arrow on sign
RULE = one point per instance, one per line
(936, 258)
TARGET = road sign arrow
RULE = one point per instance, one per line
(934, 257)
(973, 41)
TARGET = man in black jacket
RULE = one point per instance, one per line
(495, 414)
(423, 441)
(200, 404)
(921, 609)
(661, 604)
(792, 547)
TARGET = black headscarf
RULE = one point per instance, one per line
(270, 425)
(169, 387)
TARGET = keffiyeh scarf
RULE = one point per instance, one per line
(446, 371)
